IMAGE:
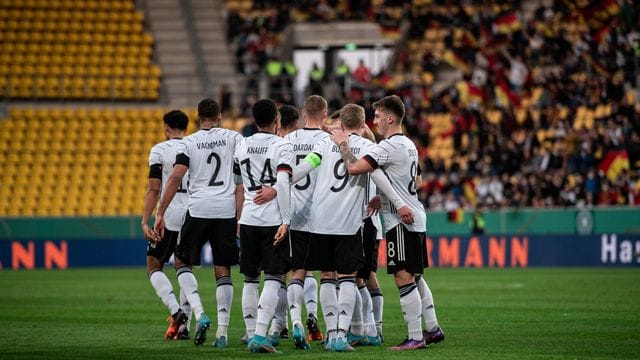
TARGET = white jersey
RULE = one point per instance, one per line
(259, 157)
(398, 158)
(164, 154)
(339, 198)
(211, 189)
(303, 141)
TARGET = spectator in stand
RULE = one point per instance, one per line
(361, 74)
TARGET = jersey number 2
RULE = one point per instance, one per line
(213, 181)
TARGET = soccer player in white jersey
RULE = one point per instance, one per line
(211, 216)
(335, 247)
(406, 252)
(303, 285)
(263, 159)
(161, 159)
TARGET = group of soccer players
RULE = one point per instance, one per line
(305, 200)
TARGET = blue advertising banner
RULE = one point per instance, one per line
(445, 251)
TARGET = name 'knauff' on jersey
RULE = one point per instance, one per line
(259, 157)
(339, 198)
(164, 154)
(303, 141)
(398, 157)
(211, 189)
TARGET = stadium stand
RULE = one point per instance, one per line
(79, 50)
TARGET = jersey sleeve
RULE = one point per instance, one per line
(378, 155)
(182, 153)
(156, 159)
(285, 157)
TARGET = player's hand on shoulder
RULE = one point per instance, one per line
(374, 206)
(264, 195)
(281, 234)
(339, 136)
(158, 226)
(406, 215)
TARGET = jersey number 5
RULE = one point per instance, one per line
(308, 178)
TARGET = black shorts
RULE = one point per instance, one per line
(257, 251)
(406, 250)
(164, 249)
(341, 253)
(370, 246)
(221, 235)
(299, 245)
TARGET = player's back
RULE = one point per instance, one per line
(338, 197)
(211, 185)
(258, 158)
(164, 154)
(401, 166)
(302, 141)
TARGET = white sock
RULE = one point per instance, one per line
(224, 298)
(367, 312)
(347, 302)
(186, 307)
(294, 297)
(267, 304)
(428, 309)
(311, 295)
(411, 308)
(279, 321)
(377, 301)
(189, 285)
(357, 319)
(329, 304)
(164, 290)
(250, 293)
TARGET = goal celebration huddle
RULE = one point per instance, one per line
(287, 203)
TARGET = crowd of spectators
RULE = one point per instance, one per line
(518, 127)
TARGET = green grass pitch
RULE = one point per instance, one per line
(486, 314)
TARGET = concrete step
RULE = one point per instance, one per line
(171, 36)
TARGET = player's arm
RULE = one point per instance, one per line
(150, 200)
(384, 185)
(283, 190)
(310, 162)
(353, 165)
(170, 190)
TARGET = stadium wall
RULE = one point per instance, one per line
(523, 238)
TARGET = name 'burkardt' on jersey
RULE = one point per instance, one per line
(211, 186)
(259, 157)
(164, 154)
(398, 158)
(338, 197)
(302, 141)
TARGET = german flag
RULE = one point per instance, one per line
(456, 216)
(613, 163)
(507, 23)
(502, 94)
(476, 94)
(457, 61)
(469, 191)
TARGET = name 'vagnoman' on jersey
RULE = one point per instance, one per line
(338, 197)
(164, 155)
(302, 141)
(209, 156)
(258, 158)
(398, 158)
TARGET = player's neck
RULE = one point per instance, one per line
(267, 130)
(207, 125)
(313, 123)
(396, 129)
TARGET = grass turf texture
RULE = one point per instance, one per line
(486, 314)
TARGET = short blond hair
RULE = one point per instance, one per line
(352, 116)
(315, 105)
